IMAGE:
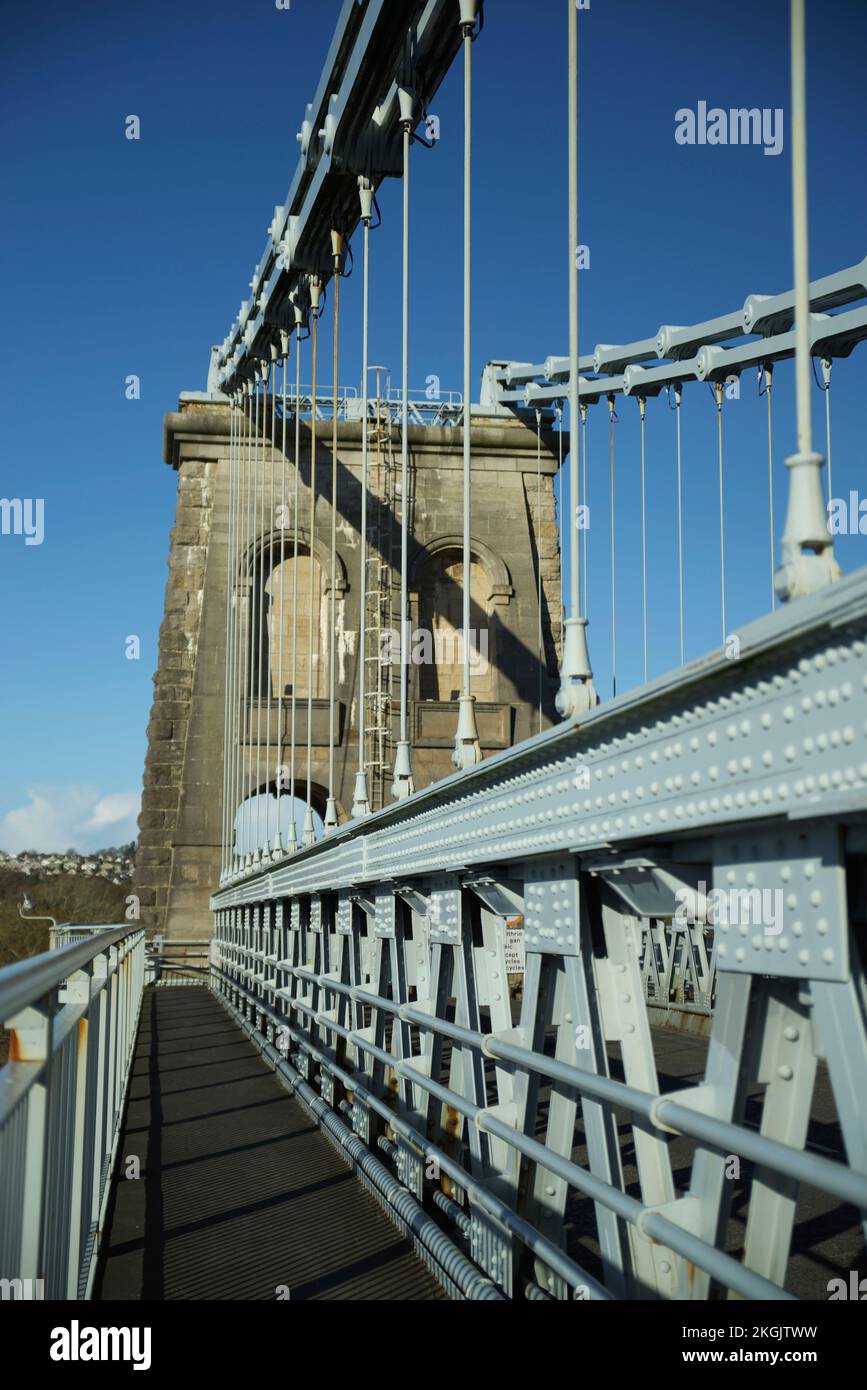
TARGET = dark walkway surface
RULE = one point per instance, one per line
(239, 1194)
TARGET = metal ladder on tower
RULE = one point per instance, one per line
(381, 673)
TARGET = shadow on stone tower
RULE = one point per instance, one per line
(515, 563)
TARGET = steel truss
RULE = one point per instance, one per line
(764, 327)
(351, 128)
(377, 959)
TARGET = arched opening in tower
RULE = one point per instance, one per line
(438, 641)
(272, 629)
(263, 811)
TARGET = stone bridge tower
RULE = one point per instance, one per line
(515, 562)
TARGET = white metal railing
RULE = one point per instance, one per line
(462, 1115)
(430, 407)
(72, 1015)
(177, 961)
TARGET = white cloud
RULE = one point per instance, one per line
(71, 817)
(112, 809)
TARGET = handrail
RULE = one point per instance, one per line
(73, 1017)
(27, 981)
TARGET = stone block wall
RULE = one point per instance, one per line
(514, 538)
(158, 878)
(545, 539)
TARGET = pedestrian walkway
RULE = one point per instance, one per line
(239, 1194)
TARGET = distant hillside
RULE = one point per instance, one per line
(114, 864)
(64, 896)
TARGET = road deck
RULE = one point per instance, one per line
(239, 1194)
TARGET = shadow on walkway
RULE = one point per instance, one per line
(238, 1194)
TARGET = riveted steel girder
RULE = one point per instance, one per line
(777, 735)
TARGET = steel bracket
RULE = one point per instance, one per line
(444, 910)
(551, 913)
(780, 902)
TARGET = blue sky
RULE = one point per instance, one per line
(127, 257)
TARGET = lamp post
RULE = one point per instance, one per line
(25, 907)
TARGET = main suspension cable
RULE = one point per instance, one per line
(331, 805)
(251, 615)
(538, 531)
(296, 503)
(228, 643)
(281, 721)
(574, 383)
(642, 406)
(678, 394)
(585, 517)
(718, 391)
(467, 749)
(611, 419)
(239, 626)
(236, 617)
(403, 784)
(558, 406)
(576, 692)
(309, 835)
(237, 662)
(361, 796)
(237, 692)
(259, 571)
(826, 378)
(769, 382)
(227, 716)
(807, 546)
(271, 610)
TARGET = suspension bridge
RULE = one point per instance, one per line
(509, 992)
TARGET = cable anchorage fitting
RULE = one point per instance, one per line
(807, 545)
(403, 783)
(406, 105)
(300, 311)
(365, 194)
(361, 796)
(577, 693)
(336, 249)
(467, 751)
(331, 818)
(471, 12)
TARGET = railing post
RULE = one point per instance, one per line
(78, 991)
(30, 1042)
